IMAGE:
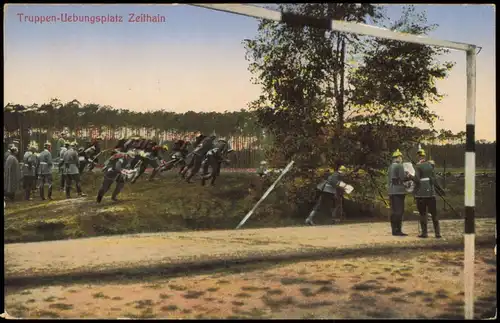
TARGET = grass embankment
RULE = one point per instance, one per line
(170, 204)
(400, 284)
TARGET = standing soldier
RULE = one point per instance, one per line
(113, 173)
(331, 192)
(11, 173)
(70, 170)
(45, 171)
(30, 164)
(64, 148)
(397, 192)
(425, 194)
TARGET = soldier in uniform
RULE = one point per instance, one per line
(30, 164)
(151, 158)
(214, 159)
(45, 171)
(397, 192)
(330, 193)
(71, 171)
(190, 163)
(64, 148)
(199, 153)
(262, 170)
(113, 173)
(425, 195)
(11, 173)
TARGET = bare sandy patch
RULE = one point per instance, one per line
(418, 285)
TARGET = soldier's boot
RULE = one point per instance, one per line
(41, 190)
(68, 192)
(423, 225)
(63, 183)
(212, 182)
(335, 217)
(309, 220)
(189, 175)
(437, 230)
(49, 196)
(400, 229)
(100, 195)
(153, 173)
(79, 190)
(27, 194)
(117, 191)
(394, 228)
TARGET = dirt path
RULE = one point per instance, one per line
(104, 253)
(403, 285)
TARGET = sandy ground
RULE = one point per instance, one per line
(402, 285)
(130, 251)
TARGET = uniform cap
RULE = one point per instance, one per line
(397, 153)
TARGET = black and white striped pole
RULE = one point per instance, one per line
(470, 185)
(364, 29)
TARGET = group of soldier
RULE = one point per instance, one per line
(35, 170)
(424, 186)
(129, 160)
(132, 156)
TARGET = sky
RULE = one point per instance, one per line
(195, 60)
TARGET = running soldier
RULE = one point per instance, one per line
(30, 164)
(214, 159)
(331, 193)
(113, 172)
(45, 171)
(71, 172)
(180, 153)
(189, 164)
(198, 156)
(151, 157)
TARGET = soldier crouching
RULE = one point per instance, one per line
(113, 173)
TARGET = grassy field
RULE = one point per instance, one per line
(169, 204)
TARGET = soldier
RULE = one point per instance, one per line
(151, 158)
(199, 153)
(94, 148)
(83, 160)
(397, 192)
(197, 141)
(331, 193)
(71, 163)
(11, 173)
(425, 195)
(262, 170)
(45, 171)
(30, 164)
(113, 172)
(214, 159)
(64, 148)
